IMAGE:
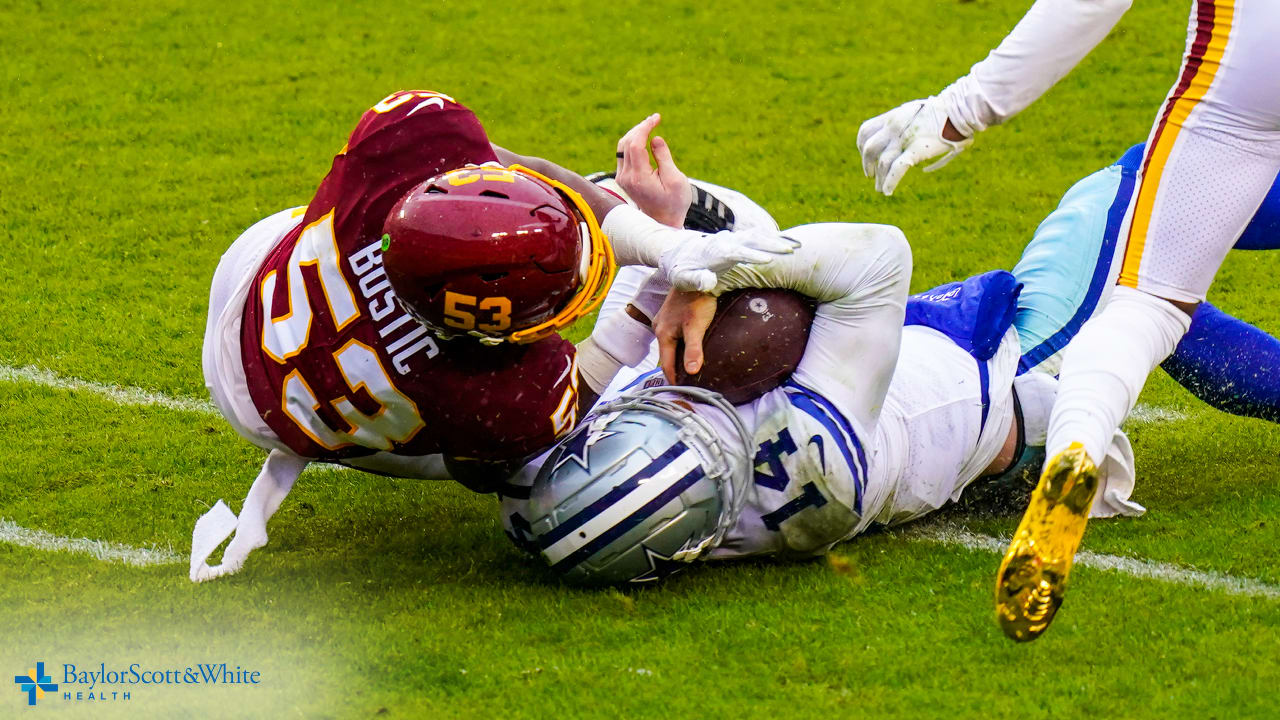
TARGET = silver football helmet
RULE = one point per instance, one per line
(642, 487)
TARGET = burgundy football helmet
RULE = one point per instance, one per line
(502, 254)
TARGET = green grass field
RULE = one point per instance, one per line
(140, 139)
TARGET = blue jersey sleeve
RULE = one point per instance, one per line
(1228, 363)
(1131, 160)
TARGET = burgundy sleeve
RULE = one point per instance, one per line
(512, 402)
(407, 138)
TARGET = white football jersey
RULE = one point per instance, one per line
(879, 424)
(817, 480)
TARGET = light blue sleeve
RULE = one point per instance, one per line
(1068, 268)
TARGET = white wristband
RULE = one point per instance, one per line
(649, 298)
(624, 338)
(596, 366)
(637, 238)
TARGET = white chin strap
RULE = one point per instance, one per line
(584, 260)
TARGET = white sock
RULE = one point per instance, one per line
(1106, 365)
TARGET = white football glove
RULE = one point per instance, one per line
(892, 143)
(269, 489)
(696, 263)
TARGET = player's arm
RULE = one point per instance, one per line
(691, 260)
(620, 338)
(1050, 40)
(599, 200)
(269, 489)
(859, 274)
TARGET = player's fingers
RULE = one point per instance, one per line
(692, 353)
(632, 160)
(865, 133)
(700, 313)
(701, 280)
(666, 329)
(775, 243)
(885, 163)
(638, 145)
(662, 153)
(667, 355)
(866, 130)
(893, 176)
(640, 129)
(873, 149)
(632, 146)
(673, 180)
(747, 256)
(633, 165)
(942, 162)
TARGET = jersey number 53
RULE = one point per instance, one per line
(285, 336)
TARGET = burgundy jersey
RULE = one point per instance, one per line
(337, 369)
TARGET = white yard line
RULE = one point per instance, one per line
(944, 534)
(1148, 414)
(128, 395)
(947, 534)
(120, 394)
(15, 534)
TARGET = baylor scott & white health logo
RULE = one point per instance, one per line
(69, 683)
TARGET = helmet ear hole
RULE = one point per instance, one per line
(549, 213)
(490, 277)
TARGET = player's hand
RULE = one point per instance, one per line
(251, 534)
(892, 143)
(696, 262)
(662, 193)
(685, 317)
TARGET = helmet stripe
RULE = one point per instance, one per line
(645, 498)
(619, 529)
(591, 511)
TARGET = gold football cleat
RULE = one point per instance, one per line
(1033, 575)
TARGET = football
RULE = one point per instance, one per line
(754, 343)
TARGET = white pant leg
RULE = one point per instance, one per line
(1212, 154)
(223, 367)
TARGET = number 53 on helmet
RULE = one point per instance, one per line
(500, 254)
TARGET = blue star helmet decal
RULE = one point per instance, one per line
(577, 447)
(660, 566)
